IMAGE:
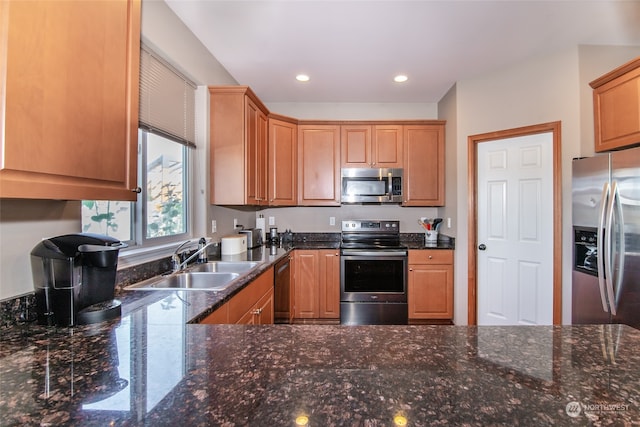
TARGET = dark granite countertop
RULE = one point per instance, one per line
(152, 368)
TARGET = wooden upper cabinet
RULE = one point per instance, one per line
(355, 141)
(387, 146)
(318, 165)
(616, 107)
(70, 73)
(239, 128)
(424, 165)
(371, 146)
(256, 166)
(283, 163)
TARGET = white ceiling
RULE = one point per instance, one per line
(352, 49)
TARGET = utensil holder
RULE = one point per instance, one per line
(431, 236)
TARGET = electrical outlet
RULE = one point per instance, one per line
(332, 220)
(448, 222)
(214, 226)
(235, 223)
(272, 220)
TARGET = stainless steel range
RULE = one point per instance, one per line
(373, 274)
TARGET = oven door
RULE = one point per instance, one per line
(373, 276)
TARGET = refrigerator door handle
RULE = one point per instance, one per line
(608, 246)
(600, 245)
(621, 248)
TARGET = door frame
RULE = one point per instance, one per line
(472, 180)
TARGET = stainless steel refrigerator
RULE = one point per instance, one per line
(606, 238)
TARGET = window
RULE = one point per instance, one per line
(164, 211)
(162, 166)
(167, 130)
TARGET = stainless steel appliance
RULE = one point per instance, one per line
(254, 237)
(371, 185)
(606, 232)
(282, 291)
(74, 278)
(373, 274)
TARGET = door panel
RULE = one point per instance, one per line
(515, 224)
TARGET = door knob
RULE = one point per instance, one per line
(482, 247)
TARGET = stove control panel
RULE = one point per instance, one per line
(371, 226)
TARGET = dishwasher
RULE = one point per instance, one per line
(282, 291)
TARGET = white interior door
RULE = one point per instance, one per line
(515, 231)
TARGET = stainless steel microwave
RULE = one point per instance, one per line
(370, 185)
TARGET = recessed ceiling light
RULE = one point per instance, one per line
(302, 78)
(400, 78)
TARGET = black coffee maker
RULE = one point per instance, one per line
(74, 277)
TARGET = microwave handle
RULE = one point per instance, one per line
(390, 186)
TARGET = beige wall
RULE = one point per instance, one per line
(539, 90)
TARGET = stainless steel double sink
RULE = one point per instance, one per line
(210, 276)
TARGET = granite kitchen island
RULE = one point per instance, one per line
(152, 368)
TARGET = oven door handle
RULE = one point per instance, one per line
(358, 252)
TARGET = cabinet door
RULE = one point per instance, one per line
(387, 146)
(616, 107)
(306, 298)
(261, 313)
(329, 284)
(318, 165)
(283, 161)
(264, 309)
(238, 146)
(430, 292)
(248, 318)
(70, 107)
(256, 154)
(423, 165)
(355, 146)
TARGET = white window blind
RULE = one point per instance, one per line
(167, 100)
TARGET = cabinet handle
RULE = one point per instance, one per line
(136, 190)
(430, 256)
(257, 311)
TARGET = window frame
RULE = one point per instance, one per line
(140, 214)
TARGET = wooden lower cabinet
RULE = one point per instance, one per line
(252, 305)
(316, 285)
(430, 287)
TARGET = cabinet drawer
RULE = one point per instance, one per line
(430, 256)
